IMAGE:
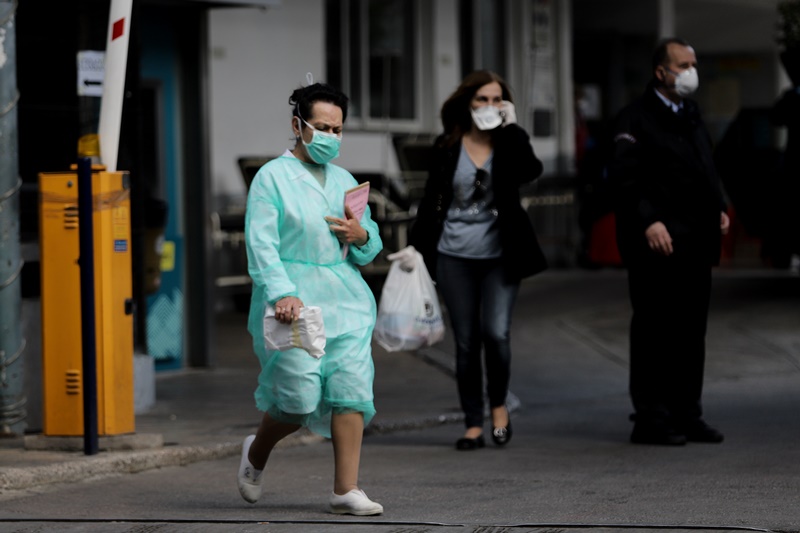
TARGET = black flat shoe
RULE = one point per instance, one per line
(699, 431)
(502, 435)
(657, 432)
(470, 444)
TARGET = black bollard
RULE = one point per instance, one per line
(88, 333)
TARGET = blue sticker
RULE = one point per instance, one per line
(120, 245)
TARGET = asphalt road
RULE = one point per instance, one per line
(569, 466)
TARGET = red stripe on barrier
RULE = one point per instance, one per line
(118, 28)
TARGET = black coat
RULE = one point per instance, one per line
(787, 113)
(663, 170)
(513, 164)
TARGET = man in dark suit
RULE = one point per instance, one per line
(670, 221)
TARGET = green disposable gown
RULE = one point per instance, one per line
(291, 251)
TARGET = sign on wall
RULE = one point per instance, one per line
(91, 69)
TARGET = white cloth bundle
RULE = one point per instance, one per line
(307, 332)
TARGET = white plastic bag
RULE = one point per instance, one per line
(307, 332)
(409, 314)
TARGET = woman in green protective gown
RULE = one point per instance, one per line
(296, 227)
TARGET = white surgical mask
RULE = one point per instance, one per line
(487, 117)
(686, 82)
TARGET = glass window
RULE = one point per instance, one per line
(352, 41)
(372, 55)
(483, 34)
(333, 42)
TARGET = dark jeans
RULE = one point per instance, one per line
(667, 339)
(479, 300)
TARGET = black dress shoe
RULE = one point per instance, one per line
(657, 433)
(502, 435)
(465, 443)
(699, 431)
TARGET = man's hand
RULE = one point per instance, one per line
(724, 222)
(659, 238)
(348, 230)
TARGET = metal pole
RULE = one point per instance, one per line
(88, 334)
(12, 342)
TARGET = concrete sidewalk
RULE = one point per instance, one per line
(204, 414)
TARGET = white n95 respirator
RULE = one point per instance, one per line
(686, 82)
(487, 117)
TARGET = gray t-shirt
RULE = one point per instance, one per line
(470, 229)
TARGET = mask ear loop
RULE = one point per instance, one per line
(663, 82)
(299, 136)
(300, 123)
(309, 81)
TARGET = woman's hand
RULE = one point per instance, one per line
(508, 112)
(348, 230)
(288, 309)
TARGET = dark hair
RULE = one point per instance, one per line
(456, 117)
(304, 98)
(662, 51)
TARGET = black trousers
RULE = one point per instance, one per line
(670, 299)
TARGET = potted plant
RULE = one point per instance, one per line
(789, 37)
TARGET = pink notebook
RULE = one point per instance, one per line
(356, 198)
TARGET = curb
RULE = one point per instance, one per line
(132, 462)
(383, 428)
(115, 463)
(125, 461)
(111, 463)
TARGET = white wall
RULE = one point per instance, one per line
(257, 58)
(447, 56)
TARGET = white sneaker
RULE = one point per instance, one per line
(354, 502)
(249, 477)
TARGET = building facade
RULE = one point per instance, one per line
(208, 84)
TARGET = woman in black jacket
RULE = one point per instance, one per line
(478, 241)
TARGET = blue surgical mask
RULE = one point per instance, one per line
(323, 147)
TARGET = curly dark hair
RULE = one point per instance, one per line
(303, 98)
(456, 117)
